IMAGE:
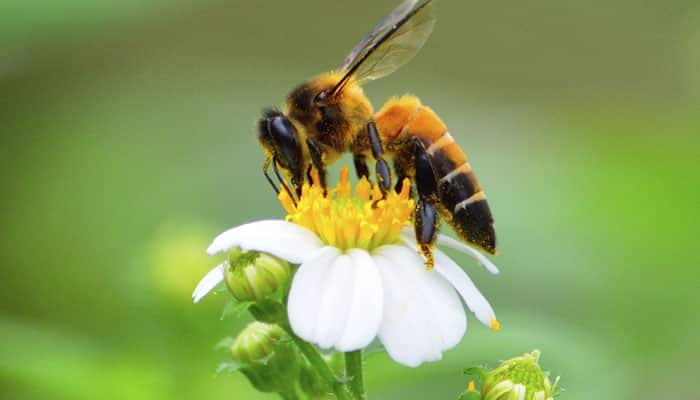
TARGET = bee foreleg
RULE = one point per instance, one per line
(381, 167)
(283, 183)
(266, 166)
(316, 153)
(425, 218)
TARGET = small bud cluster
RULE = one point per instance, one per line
(264, 352)
(520, 378)
(268, 357)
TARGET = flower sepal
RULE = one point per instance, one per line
(270, 311)
(467, 395)
(471, 393)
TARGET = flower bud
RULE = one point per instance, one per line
(267, 357)
(519, 378)
(253, 276)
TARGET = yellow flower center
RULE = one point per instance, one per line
(366, 220)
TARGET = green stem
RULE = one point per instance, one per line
(317, 362)
(353, 370)
(293, 392)
(289, 396)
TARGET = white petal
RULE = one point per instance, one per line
(209, 282)
(457, 245)
(279, 238)
(423, 315)
(302, 306)
(366, 304)
(476, 302)
(500, 389)
(519, 391)
(333, 304)
(336, 300)
(444, 240)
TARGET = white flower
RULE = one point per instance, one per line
(343, 297)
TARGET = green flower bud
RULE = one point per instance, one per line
(519, 378)
(253, 276)
(267, 357)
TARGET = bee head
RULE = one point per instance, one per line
(324, 113)
(281, 141)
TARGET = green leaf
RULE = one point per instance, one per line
(235, 308)
(228, 367)
(477, 372)
(466, 395)
(224, 344)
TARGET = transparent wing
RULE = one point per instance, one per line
(391, 43)
(384, 26)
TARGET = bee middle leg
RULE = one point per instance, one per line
(425, 218)
(381, 167)
(316, 153)
(360, 161)
(401, 170)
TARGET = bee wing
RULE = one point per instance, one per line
(391, 43)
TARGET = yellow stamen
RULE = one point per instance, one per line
(471, 387)
(286, 201)
(495, 325)
(366, 220)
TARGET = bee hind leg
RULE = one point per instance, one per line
(425, 217)
(426, 224)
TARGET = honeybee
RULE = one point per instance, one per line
(330, 115)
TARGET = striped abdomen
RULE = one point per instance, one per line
(462, 202)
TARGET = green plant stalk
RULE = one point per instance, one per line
(316, 361)
(293, 393)
(353, 370)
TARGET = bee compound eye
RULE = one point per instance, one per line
(285, 140)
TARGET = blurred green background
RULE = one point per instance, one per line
(128, 144)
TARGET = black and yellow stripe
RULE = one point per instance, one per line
(462, 198)
(463, 203)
